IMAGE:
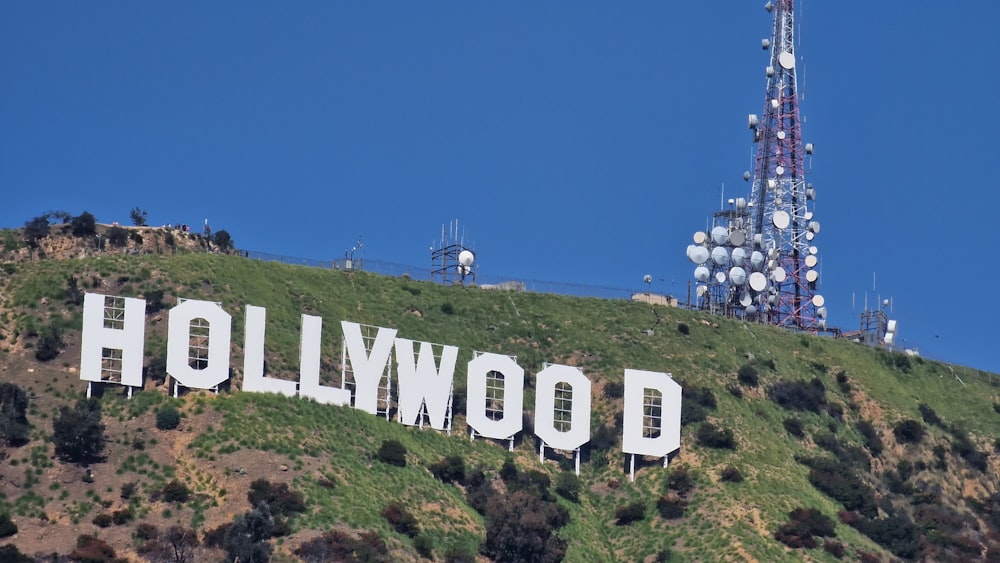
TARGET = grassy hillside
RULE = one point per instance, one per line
(328, 454)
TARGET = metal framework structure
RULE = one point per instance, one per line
(759, 261)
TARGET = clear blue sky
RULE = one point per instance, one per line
(575, 141)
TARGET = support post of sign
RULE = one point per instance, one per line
(175, 389)
(510, 447)
(129, 391)
(631, 469)
(578, 462)
(89, 383)
(472, 435)
(666, 461)
(541, 451)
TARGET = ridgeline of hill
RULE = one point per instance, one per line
(793, 446)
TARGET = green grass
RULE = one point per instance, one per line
(602, 337)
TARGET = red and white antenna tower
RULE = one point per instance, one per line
(759, 260)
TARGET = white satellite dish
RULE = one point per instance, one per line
(466, 258)
(779, 170)
(738, 256)
(818, 300)
(700, 237)
(889, 337)
(810, 235)
(765, 44)
(758, 281)
(701, 290)
(769, 71)
(720, 277)
(811, 261)
(891, 326)
(737, 275)
(751, 310)
(812, 275)
(809, 148)
(810, 192)
(647, 279)
(752, 121)
(778, 274)
(746, 300)
(786, 60)
(720, 256)
(758, 240)
(774, 103)
(737, 238)
(808, 215)
(698, 254)
(746, 175)
(821, 324)
(821, 312)
(701, 273)
(814, 226)
(781, 134)
(813, 250)
(781, 219)
(756, 259)
(720, 235)
(741, 204)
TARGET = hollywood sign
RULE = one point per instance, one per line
(113, 344)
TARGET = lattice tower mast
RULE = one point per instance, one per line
(781, 198)
(758, 261)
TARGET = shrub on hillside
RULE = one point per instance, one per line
(803, 524)
(799, 395)
(9, 553)
(568, 486)
(337, 545)
(450, 469)
(175, 491)
(14, 427)
(523, 527)
(614, 389)
(838, 481)
(719, 438)
(78, 434)
(872, 440)
(629, 513)
(35, 230)
(731, 475)
(89, 548)
(908, 431)
(168, 418)
(117, 236)
(929, 416)
(683, 329)
(7, 526)
(696, 403)
(671, 507)
(401, 519)
(138, 216)
(747, 375)
(680, 480)
(223, 240)
(392, 452)
(50, 343)
(794, 427)
(281, 500)
(84, 225)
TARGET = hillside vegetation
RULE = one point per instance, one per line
(793, 447)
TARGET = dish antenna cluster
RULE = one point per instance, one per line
(759, 259)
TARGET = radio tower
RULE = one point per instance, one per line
(758, 261)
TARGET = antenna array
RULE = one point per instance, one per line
(758, 259)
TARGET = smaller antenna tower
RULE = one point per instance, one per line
(451, 261)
